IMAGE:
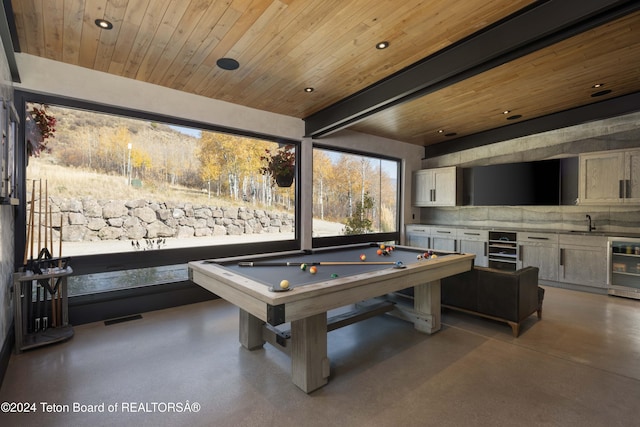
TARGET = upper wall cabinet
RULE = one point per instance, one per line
(610, 177)
(436, 187)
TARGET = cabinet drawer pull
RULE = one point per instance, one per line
(538, 238)
(471, 234)
(621, 189)
(628, 189)
(443, 232)
(486, 248)
(562, 256)
(520, 253)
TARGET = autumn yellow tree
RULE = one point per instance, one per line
(323, 174)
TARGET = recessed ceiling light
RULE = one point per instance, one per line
(506, 111)
(601, 93)
(440, 130)
(227, 63)
(382, 45)
(597, 85)
(104, 24)
(514, 117)
(308, 89)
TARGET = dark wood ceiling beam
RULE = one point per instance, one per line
(541, 25)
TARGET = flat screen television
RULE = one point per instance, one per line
(546, 182)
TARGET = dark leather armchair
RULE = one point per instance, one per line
(507, 296)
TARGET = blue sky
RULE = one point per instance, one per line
(196, 133)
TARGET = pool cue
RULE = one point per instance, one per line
(45, 290)
(30, 225)
(53, 289)
(40, 216)
(38, 300)
(33, 221)
(297, 264)
(59, 293)
(60, 244)
(36, 326)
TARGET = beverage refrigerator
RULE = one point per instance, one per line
(624, 267)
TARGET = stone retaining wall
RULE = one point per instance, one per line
(93, 220)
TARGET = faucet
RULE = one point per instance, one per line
(590, 226)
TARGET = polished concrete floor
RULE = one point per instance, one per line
(579, 366)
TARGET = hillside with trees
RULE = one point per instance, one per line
(349, 189)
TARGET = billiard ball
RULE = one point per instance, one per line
(434, 256)
(313, 269)
(284, 284)
(334, 275)
(379, 251)
(382, 246)
(419, 257)
(363, 257)
(303, 267)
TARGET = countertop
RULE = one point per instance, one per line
(609, 234)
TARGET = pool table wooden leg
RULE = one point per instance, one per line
(309, 361)
(427, 307)
(250, 331)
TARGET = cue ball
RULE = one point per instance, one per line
(284, 284)
(363, 257)
(313, 270)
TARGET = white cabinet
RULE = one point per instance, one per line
(610, 177)
(583, 260)
(443, 239)
(472, 241)
(539, 250)
(436, 187)
(417, 236)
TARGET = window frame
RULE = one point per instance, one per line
(119, 261)
(327, 241)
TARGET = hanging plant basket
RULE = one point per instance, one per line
(284, 180)
(280, 164)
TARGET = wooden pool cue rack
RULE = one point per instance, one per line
(40, 287)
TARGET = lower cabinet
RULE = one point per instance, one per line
(443, 239)
(418, 236)
(475, 242)
(583, 260)
(577, 259)
(539, 250)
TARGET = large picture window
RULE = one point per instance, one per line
(105, 184)
(354, 194)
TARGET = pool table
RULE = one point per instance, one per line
(342, 279)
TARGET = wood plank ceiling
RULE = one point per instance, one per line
(285, 46)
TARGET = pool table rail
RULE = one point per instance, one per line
(304, 301)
